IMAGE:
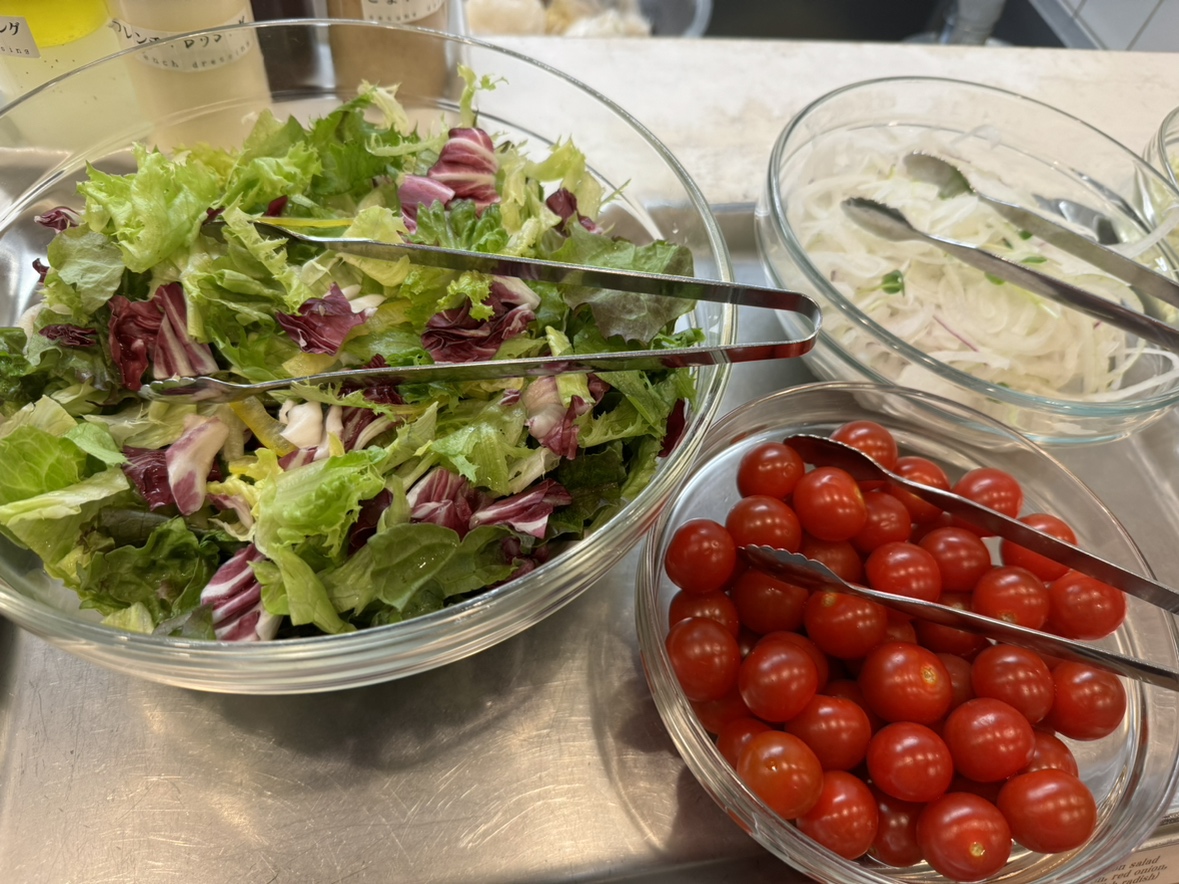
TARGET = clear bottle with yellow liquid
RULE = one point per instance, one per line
(43, 39)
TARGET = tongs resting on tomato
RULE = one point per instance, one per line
(821, 451)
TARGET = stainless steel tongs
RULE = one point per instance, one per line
(211, 388)
(822, 451)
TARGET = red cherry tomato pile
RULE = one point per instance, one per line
(876, 734)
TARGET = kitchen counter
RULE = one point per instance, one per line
(542, 759)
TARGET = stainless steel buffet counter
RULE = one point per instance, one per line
(542, 759)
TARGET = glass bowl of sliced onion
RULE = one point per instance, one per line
(908, 313)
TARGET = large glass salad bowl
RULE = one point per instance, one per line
(83, 126)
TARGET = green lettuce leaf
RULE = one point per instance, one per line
(87, 268)
(391, 566)
(164, 576)
(155, 210)
(624, 314)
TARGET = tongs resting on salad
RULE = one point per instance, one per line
(214, 389)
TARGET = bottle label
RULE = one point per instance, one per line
(198, 52)
(399, 12)
(16, 39)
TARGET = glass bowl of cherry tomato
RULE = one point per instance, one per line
(862, 746)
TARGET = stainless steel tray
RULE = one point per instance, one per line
(542, 759)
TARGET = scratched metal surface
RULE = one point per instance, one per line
(542, 759)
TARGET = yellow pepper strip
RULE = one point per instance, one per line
(267, 430)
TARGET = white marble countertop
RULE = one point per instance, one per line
(720, 104)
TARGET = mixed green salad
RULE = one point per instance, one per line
(323, 509)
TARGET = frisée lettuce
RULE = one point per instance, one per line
(324, 509)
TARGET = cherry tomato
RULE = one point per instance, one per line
(715, 714)
(962, 558)
(777, 679)
(909, 761)
(1051, 752)
(899, 629)
(781, 770)
(989, 791)
(1089, 703)
(845, 818)
(1049, 811)
(764, 521)
(964, 837)
(926, 472)
(704, 656)
(1044, 568)
(989, 739)
(906, 682)
(822, 663)
(1016, 676)
(844, 626)
(896, 832)
(838, 555)
(848, 689)
(836, 729)
(872, 439)
(772, 469)
(713, 606)
(904, 569)
(993, 488)
(958, 668)
(829, 504)
(731, 738)
(767, 604)
(887, 521)
(1013, 594)
(948, 639)
(1080, 606)
(701, 556)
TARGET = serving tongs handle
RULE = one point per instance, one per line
(809, 574)
(211, 388)
(820, 450)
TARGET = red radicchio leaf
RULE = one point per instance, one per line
(564, 204)
(276, 206)
(235, 596)
(175, 353)
(133, 329)
(443, 498)
(70, 335)
(42, 269)
(549, 421)
(322, 323)
(467, 165)
(416, 191)
(527, 512)
(190, 458)
(155, 331)
(147, 470)
(676, 422)
(58, 218)
(365, 525)
(456, 336)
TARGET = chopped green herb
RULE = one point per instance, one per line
(892, 283)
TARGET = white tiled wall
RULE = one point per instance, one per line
(1144, 25)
